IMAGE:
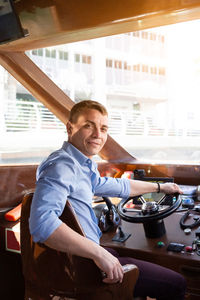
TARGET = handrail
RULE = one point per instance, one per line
(25, 116)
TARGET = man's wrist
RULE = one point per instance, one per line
(158, 187)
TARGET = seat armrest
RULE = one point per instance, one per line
(118, 290)
(129, 267)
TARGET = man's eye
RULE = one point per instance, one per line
(104, 129)
(88, 126)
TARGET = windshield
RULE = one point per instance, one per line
(148, 80)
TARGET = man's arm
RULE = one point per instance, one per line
(47, 228)
(67, 240)
(142, 187)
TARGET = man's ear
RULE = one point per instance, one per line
(69, 127)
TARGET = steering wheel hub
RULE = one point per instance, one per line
(149, 208)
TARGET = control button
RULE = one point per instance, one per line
(160, 244)
(175, 247)
(188, 249)
(187, 230)
(188, 202)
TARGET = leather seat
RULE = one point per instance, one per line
(50, 273)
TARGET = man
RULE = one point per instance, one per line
(70, 173)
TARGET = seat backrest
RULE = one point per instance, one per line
(48, 271)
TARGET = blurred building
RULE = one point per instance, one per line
(125, 71)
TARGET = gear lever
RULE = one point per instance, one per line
(121, 236)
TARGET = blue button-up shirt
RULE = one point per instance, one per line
(68, 174)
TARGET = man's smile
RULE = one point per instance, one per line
(94, 143)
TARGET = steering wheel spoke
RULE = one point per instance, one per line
(132, 210)
(162, 199)
(141, 198)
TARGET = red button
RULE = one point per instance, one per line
(188, 249)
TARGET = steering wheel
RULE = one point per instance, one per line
(150, 213)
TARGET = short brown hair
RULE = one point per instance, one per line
(78, 108)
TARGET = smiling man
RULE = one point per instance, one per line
(70, 174)
(88, 131)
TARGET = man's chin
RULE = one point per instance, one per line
(94, 151)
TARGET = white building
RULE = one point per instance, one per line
(124, 72)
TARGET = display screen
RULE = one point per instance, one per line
(157, 196)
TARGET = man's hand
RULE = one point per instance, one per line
(170, 188)
(109, 265)
(139, 187)
(67, 240)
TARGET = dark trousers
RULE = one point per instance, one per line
(155, 281)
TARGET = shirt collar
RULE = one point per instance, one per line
(81, 158)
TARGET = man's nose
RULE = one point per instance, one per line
(97, 132)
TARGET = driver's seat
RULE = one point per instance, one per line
(50, 273)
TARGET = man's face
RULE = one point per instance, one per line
(89, 133)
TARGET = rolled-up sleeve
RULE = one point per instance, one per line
(113, 187)
(52, 189)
